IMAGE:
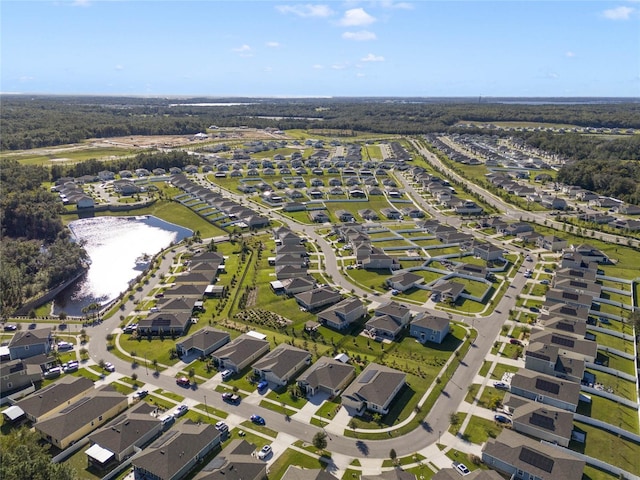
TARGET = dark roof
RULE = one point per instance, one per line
(166, 321)
(375, 384)
(55, 395)
(204, 338)
(241, 348)
(167, 455)
(431, 322)
(235, 462)
(30, 337)
(546, 385)
(297, 473)
(282, 359)
(327, 372)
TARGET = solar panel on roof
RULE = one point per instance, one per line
(366, 378)
(571, 296)
(542, 421)
(567, 327)
(536, 459)
(568, 310)
(564, 341)
(547, 386)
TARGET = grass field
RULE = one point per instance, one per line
(609, 447)
(65, 155)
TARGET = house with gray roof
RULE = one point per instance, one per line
(297, 473)
(75, 421)
(546, 389)
(290, 271)
(17, 375)
(395, 474)
(384, 326)
(555, 295)
(567, 311)
(295, 285)
(202, 342)
(235, 462)
(123, 436)
(53, 398)
(318, 298)
(240, 353)
(547, 359)
(517, 455)
(427, 327)
(404, 281)
(164, 323)
(29, 343)
(479, 474)
(341, 315)
(487, 251)
(282, 364)
(326, 375)
(569, 326)
(177, 452)
(543, 422)
(186, 290)
(577, 286)
(374, 389)
(569, 346)
(395, 310)
(447, 291)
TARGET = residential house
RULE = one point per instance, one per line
(454, 474)
(282, 364)
(543, 422)
(177, 452)
(394, 310)
(391, 213)
(236, 462)
(625, 224)
(55, 397)
(577, 273)
(341, 315)
(17, 375)
(553, 202)
(446, 291)
(123, 436)
(569, 346)
(373, 258)
(294, 207)
(516, 228)
(590, 253)
(82, 417)
(203, 342)
(487, 251)
(163, 323)
(374, 389)
(520, 457)
(569, 326)
(404, 281)
(344, 216)
(567, 311)
(296, 285)
(185, 290)
(240, 353)
(29, 343)
(318, 298)
(552, 243)
(318, 216)
(394, 474)
(298, 473)
(546, 389)
(284, 272)
(384, 326)
(567, 297)
(472, 270)
(547, 359)
(327, 375)
(429, 328)
(570, 284)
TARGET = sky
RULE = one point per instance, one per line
(386, 48)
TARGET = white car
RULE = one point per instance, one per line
(181, 410)
(264, 452)
(461, 468)
(222, 427)
(109, 367)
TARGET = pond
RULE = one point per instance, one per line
(119, 248)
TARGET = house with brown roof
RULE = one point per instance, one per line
(164, 323)
(573, 299)
(568, 345)
(237, 461)
(75, 421)
(544, 358)
(384, 326)
(50, 400)
(374, 389)
(517, 455)
(240, 353)
(282, 364)
(123, 436)
(177, 452)
(447, 291)
(546, 389)
(341, 315)
(543, 422)
(202, 342)
(568, 326)
(327, 375)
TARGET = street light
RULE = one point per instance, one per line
(206, 408)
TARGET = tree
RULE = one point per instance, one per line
(134, 377)
(320, 440)
(393, 456)
(23, 458)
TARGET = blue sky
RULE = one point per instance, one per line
(331, 48)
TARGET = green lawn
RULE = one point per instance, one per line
(621, 387)
(611, 412)
(609, 447)
(293, 457)
(479, 430)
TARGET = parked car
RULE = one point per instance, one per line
(10, 328)
(534, 309)
(70, 366)
(257, 419)
(53, 372)
(515, 341)
(262, 385)
(545, 282)
(231, 397)
(180, 410)
(264, 452)
(65, 346)
(222, 427)
(183, 381)
(501, 419)
(141, 394)
(461, 468)
(501, 385)
(226, 374)
(109, 367)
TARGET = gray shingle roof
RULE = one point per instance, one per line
(282, 359)
(241, 348)
(55, 395)
(375, 384)
(327, 372)
(204, 338)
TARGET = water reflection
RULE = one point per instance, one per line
(117, 247)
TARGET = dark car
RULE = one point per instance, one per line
(534, 309)
(141, 394)
(501, 419)
(231, 397)
(183, 381)
(10, 328)
(515, 341)
(257, 419)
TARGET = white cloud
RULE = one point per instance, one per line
(317, 66)
(244, 51)
(339, 66)
(80, 3)
(356, 17)
(570, 54)
(307, 10)
(361, 36)
(618, 13)
(396, 5)
(360, 75)
(373, 58)
(26, 78)
(273, 44)
(552, 75)
(119, 67)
